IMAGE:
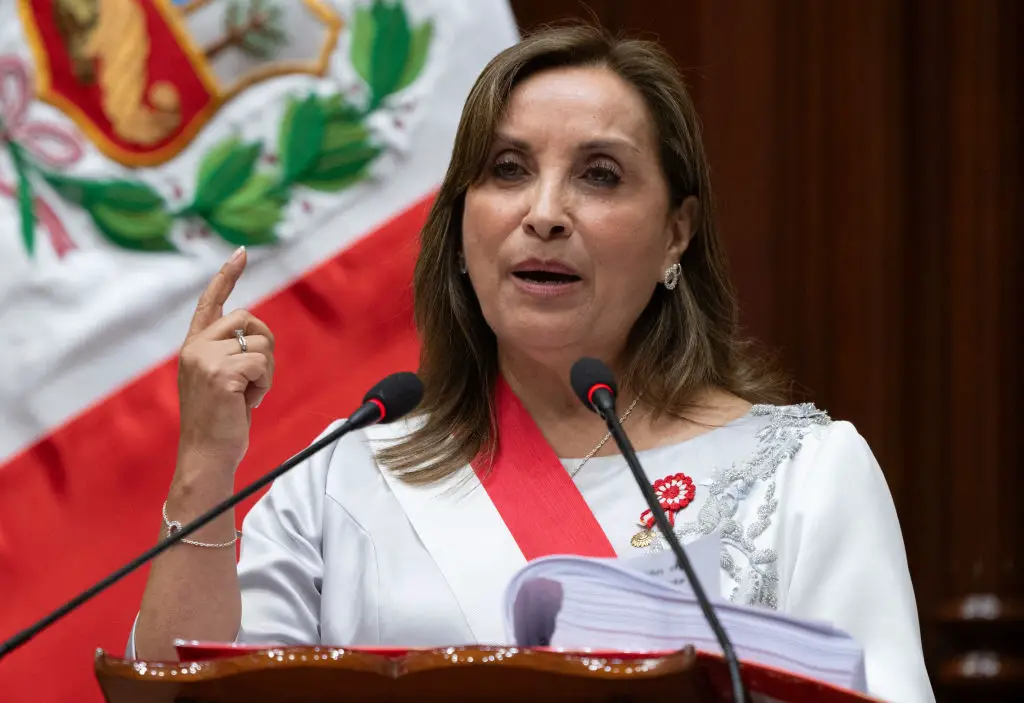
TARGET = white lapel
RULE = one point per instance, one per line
(465, 535)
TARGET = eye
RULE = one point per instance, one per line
(603, 172)
(507, 168)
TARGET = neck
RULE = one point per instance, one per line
(543, 388)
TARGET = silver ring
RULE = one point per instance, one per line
(240, 336)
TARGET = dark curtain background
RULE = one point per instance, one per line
(869, 171)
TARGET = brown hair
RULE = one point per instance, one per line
(683, 342)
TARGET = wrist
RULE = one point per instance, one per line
(191, 494)
(172, 527)
(201, 480)
(199, 460)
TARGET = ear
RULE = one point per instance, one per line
(682, 225)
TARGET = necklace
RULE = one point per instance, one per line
(600, 444)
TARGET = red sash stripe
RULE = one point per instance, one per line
(532, 491)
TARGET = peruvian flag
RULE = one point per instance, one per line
(313, 131)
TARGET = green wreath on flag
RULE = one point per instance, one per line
(322, 144)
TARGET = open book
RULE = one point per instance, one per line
(644, 606)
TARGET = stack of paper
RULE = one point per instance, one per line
(646, 604)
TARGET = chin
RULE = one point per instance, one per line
(545, 332)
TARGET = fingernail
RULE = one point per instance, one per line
(238, 252)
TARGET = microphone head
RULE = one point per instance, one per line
(396, 395)
(589, 374)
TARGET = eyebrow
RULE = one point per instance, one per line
(610, 143)
(590, 145)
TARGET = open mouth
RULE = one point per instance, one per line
(549, 278)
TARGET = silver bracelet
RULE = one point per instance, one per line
(174, 526)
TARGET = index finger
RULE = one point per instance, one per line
(210, 307)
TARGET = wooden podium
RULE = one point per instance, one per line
(499, 674)
(336, 675)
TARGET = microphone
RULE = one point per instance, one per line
(594, 384)
(393, 397)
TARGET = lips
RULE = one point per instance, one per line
(551, 273)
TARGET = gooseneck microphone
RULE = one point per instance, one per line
(393, 397)
(594, 384)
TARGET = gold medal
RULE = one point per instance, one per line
(642, 539)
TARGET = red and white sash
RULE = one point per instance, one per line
(486, 521)
(532, 491)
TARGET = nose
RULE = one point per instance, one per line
(547, 217)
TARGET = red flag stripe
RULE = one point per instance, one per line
(86, 498)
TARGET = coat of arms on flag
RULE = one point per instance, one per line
(141, 78)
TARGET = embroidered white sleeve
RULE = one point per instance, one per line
(842, 558)
(748, 558)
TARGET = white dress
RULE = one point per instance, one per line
(340, 552)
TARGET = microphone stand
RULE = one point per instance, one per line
(362, 417)
(604, 402)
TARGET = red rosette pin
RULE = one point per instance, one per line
(674, 492)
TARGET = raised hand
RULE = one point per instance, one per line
(220, 377)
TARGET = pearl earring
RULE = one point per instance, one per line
(462, 263)
(671, 278)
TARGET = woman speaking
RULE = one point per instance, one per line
(575, 219)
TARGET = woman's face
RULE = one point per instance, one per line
(569, 230)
